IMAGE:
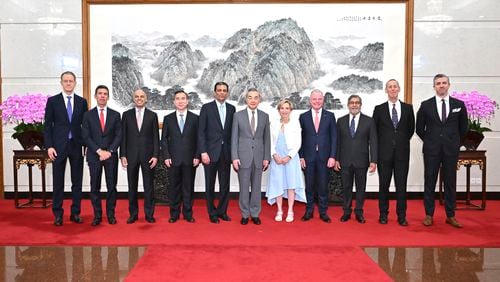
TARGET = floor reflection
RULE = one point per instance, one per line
(67, 263)
(438, 264)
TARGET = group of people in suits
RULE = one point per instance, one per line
(300, 153)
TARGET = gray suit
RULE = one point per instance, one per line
(251, 150)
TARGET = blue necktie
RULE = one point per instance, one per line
(69, 109)
(181, 122)
(394, 116)
(222, 114)
(352, 128)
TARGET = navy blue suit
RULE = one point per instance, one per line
(214, 138)
(316, 149)
(108, 140)
(56, 135)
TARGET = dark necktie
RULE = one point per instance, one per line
(252, 123)
(352, 128)
(443, 111)
(394, 117)
(181, 122)
(69, 109)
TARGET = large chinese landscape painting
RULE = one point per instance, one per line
(283, 50)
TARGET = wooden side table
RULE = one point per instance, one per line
(31, 158)
(468, 159)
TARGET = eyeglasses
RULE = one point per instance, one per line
(354, 103)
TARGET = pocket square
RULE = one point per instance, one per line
(456, 110)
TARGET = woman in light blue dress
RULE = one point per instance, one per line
(286, 179)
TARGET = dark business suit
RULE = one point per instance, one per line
(57, 127)
(181, 148)
(214, 139)
(441, 147)
(316, 149)
(355, 155)
(393, 154)
(108, 140)
(139, 146)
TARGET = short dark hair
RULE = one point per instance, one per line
(354, 96)
(101, 87)
(181, 91)
(221, 83)
(70, 73)
(439, 75)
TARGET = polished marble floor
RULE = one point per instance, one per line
(67, 263)
(438, 264)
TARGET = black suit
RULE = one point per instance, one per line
(181, 148)
(441, 148)
(214, 138)
(108, 140)
(355, 155)
(393, 154)
(138, 147)
(57, 127)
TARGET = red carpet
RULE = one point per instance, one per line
(272, 251)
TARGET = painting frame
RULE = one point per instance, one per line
(407, 72)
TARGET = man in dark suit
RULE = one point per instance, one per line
(102, 133)
(441, 123)
(179, 149)
(395, 122)
(317, 153)
(63, 140)
(251, 154)
(357, 153)
(214, 144)
(140, 149)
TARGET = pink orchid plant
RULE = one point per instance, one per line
(25, 111)
(480, 108)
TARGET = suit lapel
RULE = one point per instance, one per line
(215, 108)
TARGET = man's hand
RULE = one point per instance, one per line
(302, 163)
(337, 166)
(103, 154)
(330, 163)
(152, 162)
(205, 159)
(372, 168)
(124, 162)
(277, 159)
(236, 165)
(168, 162)
(52, 153)
(265, 165)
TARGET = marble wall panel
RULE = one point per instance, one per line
(457, 10)
(40, 50)
(36, 11)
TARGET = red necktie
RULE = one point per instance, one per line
(101, 119)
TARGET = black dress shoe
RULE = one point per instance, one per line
(244, 221)
(403, 222)
(150, 219)
(96, 221)
(345, 217)
(214, 219)
(189, 219)
(360, 218)
(325, 218)
(132, 219)
(111, 220)
(225, 217)
(58, 221)
(382, 220)
(173, 219)
(75, 218)
(256, 220)
(307, 216)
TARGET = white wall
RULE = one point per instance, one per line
(41, 39)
